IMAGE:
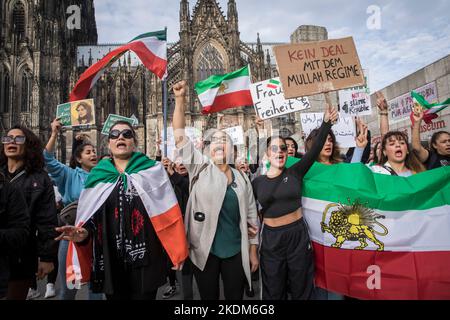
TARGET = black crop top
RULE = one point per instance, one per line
(283, 195)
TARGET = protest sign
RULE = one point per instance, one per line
(236, 134)
(113, 118)
(401, 107)
(344, 129)
(194, 134)
(354, 102)
(317, 67)
(269, 101)
(77, 113)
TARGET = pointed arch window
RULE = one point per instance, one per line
(4, 91)
(18, 18)
(25, 105)
(210, 62)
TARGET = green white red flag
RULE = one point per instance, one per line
(220, 92)
(150, 47)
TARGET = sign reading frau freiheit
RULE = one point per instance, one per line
(269, 101)
(400, 108)
(344, 129)
(317, 67)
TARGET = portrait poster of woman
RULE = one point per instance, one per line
(83, 113)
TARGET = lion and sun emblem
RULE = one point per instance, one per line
(353, 222)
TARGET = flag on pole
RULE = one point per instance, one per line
(155, 190)
(379, 236)
(220, 92)
(151, 48)
(431, 109)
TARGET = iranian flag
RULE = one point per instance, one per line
(153, 186)
(220, 92)
(431, 109)
(150, 47)
(379, 236)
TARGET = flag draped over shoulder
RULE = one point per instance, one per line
(379, 236)
(431, 109)
(155, 190)
(220, 92)
(151, 48)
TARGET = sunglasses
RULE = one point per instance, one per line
(115, 134)
(275, 148)
(11, 139)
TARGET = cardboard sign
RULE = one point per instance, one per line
(269, 101)
(354, 102)
(112, 119)
(76, 114)
(400, 108)
(194, 134)
(236, 134)
(344, 130)
(317, 67)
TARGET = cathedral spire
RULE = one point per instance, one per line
(259, 45)
(184, 15)
(232, 14)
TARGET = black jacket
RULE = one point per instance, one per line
(39, 195)
(181, 187)
(14, 228)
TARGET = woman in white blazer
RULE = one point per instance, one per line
(219, 213)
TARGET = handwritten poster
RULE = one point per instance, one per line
(354, 102)
(269, 101)
(401, 107)
(194, 134)
(315, 67)
(77, 113)
(236, 134)
(344, 130)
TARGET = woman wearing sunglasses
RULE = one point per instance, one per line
(220, 210)
(287, 261)
(70, 181)
(22, 163)
(128, 221)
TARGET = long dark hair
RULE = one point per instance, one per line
(297, 154)
(33, 158)
(76, 154)
(435, 137)
(375, 156)
(335, 155)
(411, 162)
(88, 112)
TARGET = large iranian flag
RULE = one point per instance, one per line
(379, 236)
(220, 92)
(155, 190)
(150, 47)
(431, 109)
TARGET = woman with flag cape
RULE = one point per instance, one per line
(128, 221)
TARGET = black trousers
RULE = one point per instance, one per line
(287, 262)
(233, 278)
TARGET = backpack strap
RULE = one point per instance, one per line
(391, 171)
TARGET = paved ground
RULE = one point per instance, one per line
(83, 292)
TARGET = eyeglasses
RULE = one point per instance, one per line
(11, 139)
(218, 140)
(115, 134)
(275, 148)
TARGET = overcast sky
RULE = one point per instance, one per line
(413, 34)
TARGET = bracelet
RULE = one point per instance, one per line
(383, 113)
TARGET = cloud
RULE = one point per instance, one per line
(413, 33)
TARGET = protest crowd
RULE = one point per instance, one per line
(126, 225)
